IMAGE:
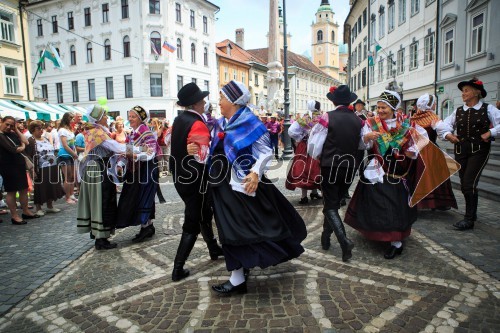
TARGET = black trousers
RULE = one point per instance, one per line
(472, 159)
(334, 184)
(197, 211)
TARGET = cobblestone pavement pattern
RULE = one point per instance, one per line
(445, 281)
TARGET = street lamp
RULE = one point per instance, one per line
(287, 151)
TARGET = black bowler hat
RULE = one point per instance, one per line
(341, 95)
(473, 83)
(359, 102)
(190, 94)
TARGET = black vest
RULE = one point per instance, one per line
(185, 170)
(342, 141)
(472, 123)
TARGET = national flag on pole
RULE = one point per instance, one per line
(53, 56)
(169, 47)
(377, 48)
(153, 48)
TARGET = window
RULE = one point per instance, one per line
(71, 21)
(91, 84)
(381, 23)
(88, 20)
(360, 54)
(414, 7)
(365, 48)
(89, 52)
(477, 39)
(373, 25)
(257, 81)
(72, 55)
(154, 6)
(371, 74)
(178, 16)
(365, 17)
(381, 70)
(205, 24)
(243, 78)
(359, 24)
(54, 24)
(391, 71)
(320, 36)
(193, 53)
(11, 80)
(354, 82)
(105, 12)
(359, 80)
(7, 26)
(110, 94)
(39, 28)
(414, 55)
(205, 56)
(449, 47)
(45, 92)
(41, 61)
(191, 19)
(74, 91)
(333, 36)
(363, 77)
(401, 61)
(194, 80)
(179, 49)
(107, 50)
(155, 38)
(59, 93)
(126, 46)
(180, 82)
(446, 108)
(390, 17)
(128, 86)
(156, 85)
(206, 85)
(235, 74)
(429, 49)
(124, 9)
(401, 11)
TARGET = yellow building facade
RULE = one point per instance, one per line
(15, 68)
(232, 63)
(325, 37)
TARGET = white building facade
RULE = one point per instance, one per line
(469, 47)
(107, 50)
(402, 37)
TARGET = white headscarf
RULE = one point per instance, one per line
(426, 102)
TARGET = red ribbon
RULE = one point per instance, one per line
(221, 135)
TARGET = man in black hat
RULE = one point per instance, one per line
(338, 150)
(359, 109)
(190, 176)
(476, 124)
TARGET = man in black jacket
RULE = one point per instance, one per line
(190, 176)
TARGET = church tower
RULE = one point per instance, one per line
(325, 46)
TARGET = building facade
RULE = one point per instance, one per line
(115, 50)
(356, 36)
(469, 47)
(325, 46)
(15, 66)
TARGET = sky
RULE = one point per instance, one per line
(253, 16)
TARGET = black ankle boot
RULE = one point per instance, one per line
(147, 232)
(315, 196)
(185, 246)
(104, 244)
(467, 222)
(336, 224)
(393, 251)
(303, 201)
(214, 249)
(325, 235)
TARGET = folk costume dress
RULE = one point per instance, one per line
(261, 229)
(442, 197)
(305, 171)
(379, 208)
(137, 200)
(97, 204)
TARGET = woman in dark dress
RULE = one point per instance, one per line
(257, 225)
(13, 169)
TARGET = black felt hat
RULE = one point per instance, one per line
(190, 94)
(359, 102)
(473, 83)
(341, 95)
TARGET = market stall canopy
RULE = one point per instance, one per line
(8, 107)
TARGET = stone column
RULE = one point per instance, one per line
(274, 72)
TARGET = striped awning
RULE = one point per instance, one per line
(9, 108)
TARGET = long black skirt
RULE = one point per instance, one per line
(259, 231)
(48, 185)
(137, 200)
(381, 211)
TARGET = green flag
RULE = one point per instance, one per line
(377, 48)
(51, 55)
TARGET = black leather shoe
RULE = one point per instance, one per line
(315, 196)
(325, 241)
(147, 232)
(464, 225)
(104, 244)
(92, 236)
(18, 222)
(227, 289)
(29, 217)
(303, 201)
(393, 251)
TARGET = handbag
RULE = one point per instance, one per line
(27, 161)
